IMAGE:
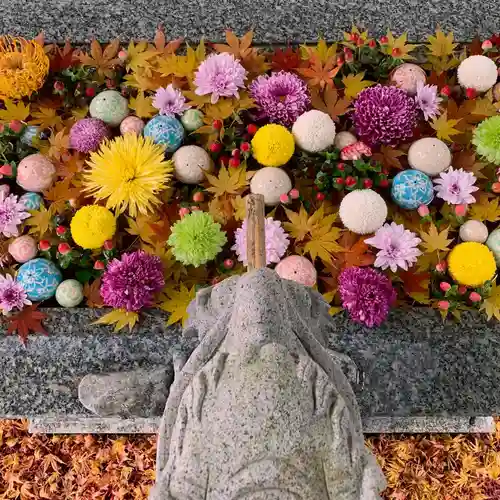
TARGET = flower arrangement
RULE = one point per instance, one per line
(380, 174)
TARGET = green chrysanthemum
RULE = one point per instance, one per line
(196, 239)
(487, 139)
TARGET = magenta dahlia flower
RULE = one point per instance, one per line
(367, 295)
(169, 101)
(12, 213)
(86, 135)
(130, 283)
(12, 294)
(384, 115)
(220, 75)
(456, 186)
(281, 97)
(427, 100)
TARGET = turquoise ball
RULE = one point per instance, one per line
(32, 201)
(39, 279)
(165, 130)
(412, 188)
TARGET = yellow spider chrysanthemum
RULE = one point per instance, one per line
(23, 67)
(128, 172)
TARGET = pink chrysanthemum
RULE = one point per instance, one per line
(427, 100)
(12, 294)
(86, 135)
(276, 241)
(12, 213)
(220, 75)
(170, 101)
(456, 186)
(130, 283)
(367, 295)
(397, 247)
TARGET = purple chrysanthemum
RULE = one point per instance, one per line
(384, 115)
(130, 283)
(456, 186)
(397, 247)
(12, 213)
(170, 101)
(12, 294)
(220, 75)
(427, 100)
(281, 97)
(367, 295)
(86, 135)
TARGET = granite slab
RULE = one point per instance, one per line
(275, 21)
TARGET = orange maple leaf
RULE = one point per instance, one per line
(161, 45)
(104, 61)
(389, 157)
(330, 102)
(92, 293)
(59, 194)
(319, 74)
(26, 321)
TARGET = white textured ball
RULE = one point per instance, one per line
(344, 139)
(473, 230)
(363, 211)
(190, 163)
(478, 73)
(69, 293)
(271, 182)
(314, 131)
(429, 155)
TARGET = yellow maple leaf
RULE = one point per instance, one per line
(221, 209)
(441, 45)
(298, 227)
(354, 84)
(434, 241)
(177, 303)
(58, 145)
(39, 221)
(120, 318)
(14, 111)
(140, 226)
(79, 113)
(321, 50)
(59, 194)
(228, 182)
(139, 56)
(240, 207)
(485, 209)
(143, 106)
(445, 128)
(46, 118)
(399, 44)
(491, 304)
(223, 109)
(323, 243)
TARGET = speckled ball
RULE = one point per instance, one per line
(87, 135)
(190, 164)
(35, 173)
(39, 279)
(344, 139)
(412, 188)
(297, 268)
(32, 201)
(407, 76)
(271, 182)
(69, 293)
(493, 243)
(23, 249)
(29, 134)
(478, 73)
(314, 131)
(473, 230)
(165, 130)
(110, 107)
(429, 155)
(132, 125)
(363, 211)
(192, 119)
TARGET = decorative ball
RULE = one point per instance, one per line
(190, 164)
(86, 135)
(473, 230)
(92, 225)
(32, 201)
(297, 268)
(493, 243)
(471, 264)
(165, 130)
(412, 188)
(35, 173)
(132, 125)
(273, 145)
(344, 139)
(407, 76)
(23, 248)
(363, 211)
(192, 119)
(39, 279)
(271, 182)
(110, 107)
(314, 131)
(429, 155)
(478, 73)
(69, 293)
(29, 133)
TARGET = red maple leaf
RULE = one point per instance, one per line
(62, 58)
(28, 320)
(285, 60)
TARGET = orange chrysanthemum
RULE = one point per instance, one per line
(23, 67)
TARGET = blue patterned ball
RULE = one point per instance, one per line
(32, 201)
(412, 188)
(39, 278)
(165, 130)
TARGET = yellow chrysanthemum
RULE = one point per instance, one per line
(92, 225)
(128, 172)
(23, 67)
(471, 263)
(273, 145)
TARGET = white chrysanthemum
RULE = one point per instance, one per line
(478, 73)
(191, 163)
(314, 131)
(363, 211)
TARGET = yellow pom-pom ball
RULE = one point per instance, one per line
(92, 225)
(273, 145)
(471, 263)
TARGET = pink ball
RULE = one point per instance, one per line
(297, 268)
(131, 124)
(23, 248)
(35, 173)
(407, 76)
